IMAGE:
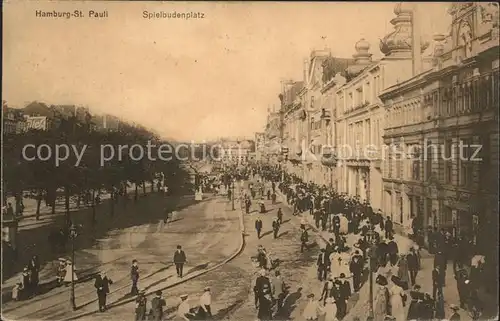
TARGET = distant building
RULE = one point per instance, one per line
(236, 151)
(13, 121)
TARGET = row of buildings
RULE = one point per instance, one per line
(235, 151)
(394, 124)
(37, 115)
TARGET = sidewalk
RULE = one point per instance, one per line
(156, 269)
(34, 240)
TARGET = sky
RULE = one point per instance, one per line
(189, 79)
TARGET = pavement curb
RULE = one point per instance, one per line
(132, 299)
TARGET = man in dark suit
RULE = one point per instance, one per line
(179, 260)
(258, 227)
(356, 267)
(345, 287)
(276, 227)
(134, 276)
(340, 299)
(280, 216)
(101, 284)
(392, 248)
(388, 227)
(157, 305)
(304, 238)
(413, 265)
(322, 263)
(437, 282)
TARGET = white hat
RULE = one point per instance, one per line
(183, 296)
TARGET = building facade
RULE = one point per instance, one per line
(273, 136)
(294, 125)
(360, 119)
(445, 122)
(13, 120)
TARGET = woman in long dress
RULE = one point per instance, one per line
(380, 303)
(380, 299)
(396, 301)
(344, 224)
(312, 308)
(335, 264)
(403, 272)
(329, 310)
(70, 267)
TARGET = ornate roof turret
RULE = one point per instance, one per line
(399, 41)
(362, 58)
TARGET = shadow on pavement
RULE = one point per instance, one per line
(283, 234)
(199, 267)
(265, 233)
(222, 314)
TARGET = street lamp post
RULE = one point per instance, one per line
(370, 237)
(73, 234)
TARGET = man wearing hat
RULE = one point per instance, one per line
(101, 284)
(134, 276)
(322, 263)
(258, 226)
(454, 316)
(184, 310)
(304, 238)
(140, 306)
(179, 260)
(205, 311)
(61, 270)
(276, 227)
(157, 305)
(356, 268)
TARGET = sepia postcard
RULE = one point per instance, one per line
(251, 160)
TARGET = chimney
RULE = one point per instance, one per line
(416, 45)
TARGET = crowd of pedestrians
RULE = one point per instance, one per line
(361, 238)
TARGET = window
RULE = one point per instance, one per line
(448, 161)
(428, 161)
(484, 153)
(390, 155)
(398, 165)
(465, 168)
(359, 96)
(415, 164)
(368, 137)
(368, 92)
(312, 102)
(312, 123)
